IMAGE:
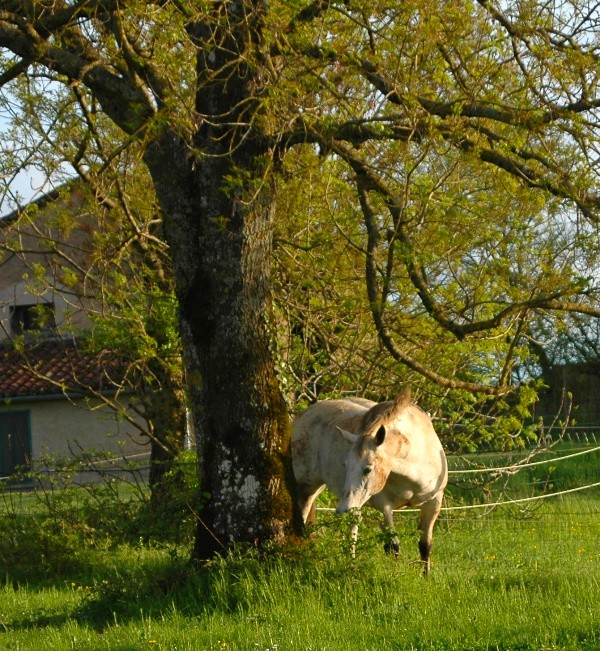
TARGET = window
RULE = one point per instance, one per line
(32, 318)
(15, 442)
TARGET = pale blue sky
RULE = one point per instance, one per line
(29, 184)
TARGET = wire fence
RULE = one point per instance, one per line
(509, 469)
(588, 434)
(488, 505)
(135, 468)
(520, 465)
(142, 463)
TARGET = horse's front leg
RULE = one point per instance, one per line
(354, 532)
(392, 543)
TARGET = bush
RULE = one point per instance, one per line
(49, 532)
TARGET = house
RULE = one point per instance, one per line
(574, 392)
(57, 397)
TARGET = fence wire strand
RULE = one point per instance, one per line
(515, 466)
(466, 507)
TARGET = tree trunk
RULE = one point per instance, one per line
(218, 205)
(164, 409)
(243, 419)
(222, 261)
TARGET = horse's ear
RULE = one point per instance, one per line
(351, 438)
(380, 436)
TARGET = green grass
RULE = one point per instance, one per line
(497, 583)
(516, 579)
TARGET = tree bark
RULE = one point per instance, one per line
(218, 206)
(221, 250)
(243, 421)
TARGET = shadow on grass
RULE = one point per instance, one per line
(35, 621)
(120, 584)
(123, 598)
(123, 583)
(102, 595)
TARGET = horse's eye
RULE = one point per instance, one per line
(367, 470)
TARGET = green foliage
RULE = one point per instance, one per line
(327, 341)
(467, 422)
(53, 531)
(142, 327)
(449, 214)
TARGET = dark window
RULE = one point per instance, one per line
(15, 442)
(32, 318)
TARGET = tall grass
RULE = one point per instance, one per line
(497, 583)
(512, 580)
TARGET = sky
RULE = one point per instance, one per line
(28, 184)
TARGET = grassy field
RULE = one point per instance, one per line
(514, 579)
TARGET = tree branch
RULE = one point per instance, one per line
(122, 100)
(377, 302)
(14, 71)
(368, 180)
(310, 12)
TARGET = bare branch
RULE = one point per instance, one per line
(121, 98)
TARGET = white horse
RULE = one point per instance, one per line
(386, 455)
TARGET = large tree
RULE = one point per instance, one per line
(441, 118)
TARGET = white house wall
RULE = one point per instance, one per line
(69, 317)
(61, 428)
(17, 283)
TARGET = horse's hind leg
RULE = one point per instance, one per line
(307, 496)
(429, 513)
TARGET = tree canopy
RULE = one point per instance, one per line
(433, 167)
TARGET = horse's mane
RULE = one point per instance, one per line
(383, 412)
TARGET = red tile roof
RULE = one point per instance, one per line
(55, 367)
